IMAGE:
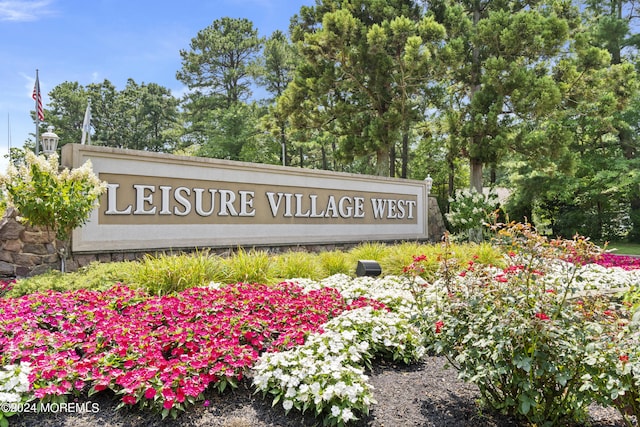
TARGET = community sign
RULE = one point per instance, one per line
(159, 201)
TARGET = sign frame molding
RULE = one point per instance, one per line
(95, 236)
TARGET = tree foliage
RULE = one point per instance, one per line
(591, 191)
(364, 63)
(220, 59)
(142, 116)
(276, 68)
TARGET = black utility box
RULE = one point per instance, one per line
(368, 268)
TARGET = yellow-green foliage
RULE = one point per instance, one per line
(164, 274)
(396, 257)
(248, 267)
(291, 265)
(95, 276)
(370, 250)
(483, 253)
(401, 255)
(489, 254)
(335, 262)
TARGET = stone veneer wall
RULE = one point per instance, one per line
(29, 251)
(25, 250)
(437, 227)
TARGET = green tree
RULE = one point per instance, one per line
(500, 61)
(276, 67)
(233, 128)
(67, 105)
(148, 116)
(141, 117)
(611, 24)
(218, 70)
(584, 194)
(106, 117)
(220, 61)
(363, 64)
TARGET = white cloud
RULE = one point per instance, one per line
(22, 10)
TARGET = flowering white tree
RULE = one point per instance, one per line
(470, 211)
(58, 200)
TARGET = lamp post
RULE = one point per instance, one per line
(428, 181)
(49, 141)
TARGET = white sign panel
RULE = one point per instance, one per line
(156, 201)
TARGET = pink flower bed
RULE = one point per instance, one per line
(158, 351)
(623, 261)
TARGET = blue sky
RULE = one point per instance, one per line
(91, 40)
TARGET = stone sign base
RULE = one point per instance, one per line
(26, 251)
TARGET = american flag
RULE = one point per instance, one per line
(37, 96)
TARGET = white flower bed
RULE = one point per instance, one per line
(327, 372)
(14, 382)
(395, 292)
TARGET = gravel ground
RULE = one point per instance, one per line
(424, 394)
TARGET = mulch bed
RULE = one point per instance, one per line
(423, 394)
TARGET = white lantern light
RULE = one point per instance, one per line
(49, 141)
(429, 182)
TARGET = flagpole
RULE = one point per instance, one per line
(37, 96)
(86, 125)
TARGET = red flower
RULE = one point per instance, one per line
(168, 404)
(129, 399)
(542, 316)
(624, 358)
(439, 326)
(150, 393)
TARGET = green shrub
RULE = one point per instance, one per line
(248, 267)
(45, 195)
(470, 210)
(168, 273)
(95, 276)
(291, 265)
(514, 333)
(335, 262)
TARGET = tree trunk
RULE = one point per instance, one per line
(476, 174)
(392, 161)
(325, 165)
(382, 162)
(405, 155)
(283, 142)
